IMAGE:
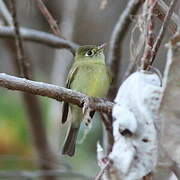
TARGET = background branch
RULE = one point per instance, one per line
(162, 30)
(117, 37)
(149, 31)
(52, 23)
(5, 13)
(39, 37)
(160, 10)
(34, 113)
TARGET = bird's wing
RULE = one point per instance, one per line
(65, 108)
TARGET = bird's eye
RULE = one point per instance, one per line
(89, 53)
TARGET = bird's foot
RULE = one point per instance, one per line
(86, 113)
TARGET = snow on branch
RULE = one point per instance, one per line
(54, 92)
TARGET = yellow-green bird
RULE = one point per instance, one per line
(88, 75)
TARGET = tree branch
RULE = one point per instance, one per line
(39, 37)
(52, 23)
(54, 92)
(117, 37)
(5, 13)
(149, 31)
(22, 62)
(160, 10)
(162, 30)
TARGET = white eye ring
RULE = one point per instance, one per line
(89, 53)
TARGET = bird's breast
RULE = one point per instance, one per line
(91, 80)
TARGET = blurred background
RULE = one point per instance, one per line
(84, 22)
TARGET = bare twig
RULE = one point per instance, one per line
(160, 11)
(107, 123)
(117, 37)
(39, 37)
(150, 35)
(49, 18)
(102, 171)
(162, 30)
(53, 91)
(21, 60)
(38, 174)
(5, 13)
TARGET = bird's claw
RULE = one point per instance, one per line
(86, 112)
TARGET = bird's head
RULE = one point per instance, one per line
(90, 52)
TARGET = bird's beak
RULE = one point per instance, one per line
(102, 46)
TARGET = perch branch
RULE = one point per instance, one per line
(162, 30)
(51, 21)
(39, 37)
(54, 92)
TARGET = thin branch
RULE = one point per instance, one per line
(5, 13)
(149, 6)
(54, 92)
(102, 171)
(21, 60)
(117, 37)
(33, 35)
(160, 10)
(52, 23)
(39, 37)
(107, 123)
(37, 174)
(162, 30)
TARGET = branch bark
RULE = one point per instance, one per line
(160, 10)
(52, 22)
(162, 30)
(54, 92)
(39, 37)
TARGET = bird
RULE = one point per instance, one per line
(89, 75)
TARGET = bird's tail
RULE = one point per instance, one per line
(70, 141)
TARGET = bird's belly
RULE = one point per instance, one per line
(92, 81)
